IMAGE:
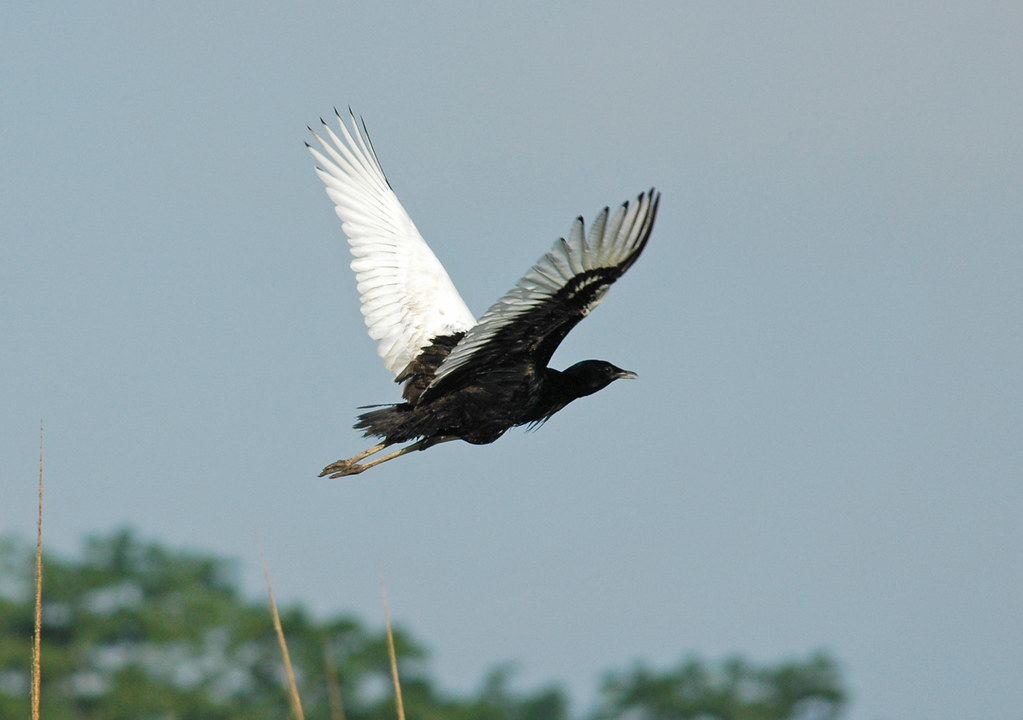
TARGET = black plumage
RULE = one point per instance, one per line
(464, 379)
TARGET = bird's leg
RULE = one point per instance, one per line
(351, 466)
(356, 469)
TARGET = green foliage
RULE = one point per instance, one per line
(734, 690)
(134, 630)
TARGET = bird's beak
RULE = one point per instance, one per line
(627, 375)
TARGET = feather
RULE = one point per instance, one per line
(554, 295)
(407, 297)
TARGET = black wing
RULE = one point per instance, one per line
(530, 321)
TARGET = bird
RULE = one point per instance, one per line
(463, 378)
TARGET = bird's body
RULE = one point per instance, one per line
(463, 379)
(480, 411)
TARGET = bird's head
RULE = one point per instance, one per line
(589, 376)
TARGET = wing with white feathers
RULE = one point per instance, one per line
(407, 297)
(530, 321)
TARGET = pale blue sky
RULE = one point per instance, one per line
(825, 446)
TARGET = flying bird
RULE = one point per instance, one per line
(466, 379)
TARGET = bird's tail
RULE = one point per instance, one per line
(393, 423)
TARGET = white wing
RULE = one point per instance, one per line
(407, 297)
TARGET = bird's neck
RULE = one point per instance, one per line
(565, 387)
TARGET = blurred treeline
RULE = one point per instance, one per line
(134, 630)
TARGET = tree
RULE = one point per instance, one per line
(135, 630)
(732, 690)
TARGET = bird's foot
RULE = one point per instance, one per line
(342, 468)
(352, 466)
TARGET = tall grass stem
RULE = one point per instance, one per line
(37, 640)
(296, 701)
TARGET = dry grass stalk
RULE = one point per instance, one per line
(37, 674)
(394, 657)
(337, 710)
(296, 701)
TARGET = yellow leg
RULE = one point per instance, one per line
(351, 466)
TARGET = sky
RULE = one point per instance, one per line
(824, 449)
